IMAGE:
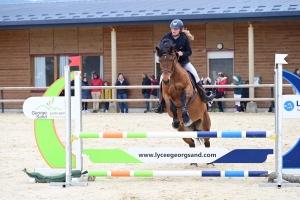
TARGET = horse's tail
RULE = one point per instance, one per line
(188, 34)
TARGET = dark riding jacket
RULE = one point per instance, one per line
(182, 44)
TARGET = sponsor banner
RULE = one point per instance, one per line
(177, 155)
(291, 106)
(47, 107)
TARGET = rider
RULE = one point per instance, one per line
(183, 48)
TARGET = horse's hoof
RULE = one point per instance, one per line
(207, 144)
(176, 124)
(186, 124)
(194, 164)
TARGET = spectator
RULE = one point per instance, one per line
(207, 81)
(297, 73)
(85, 94)
(106, 94)
(122, 93)
(245, 94)
(96, 81)
(237, 80)
(220, 93)
(146, 92)
(153, 92)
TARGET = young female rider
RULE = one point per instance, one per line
(183, 51)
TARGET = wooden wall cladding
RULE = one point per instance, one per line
(90, 39)
(198, 57)
(219, 33)
(41, 41)
(14, 64)
(135, 55)
(65, 40)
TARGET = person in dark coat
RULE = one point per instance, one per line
(122, 93)
(245, 94)
(85, 94)
(146, 92)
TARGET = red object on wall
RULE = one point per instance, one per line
(75, 60)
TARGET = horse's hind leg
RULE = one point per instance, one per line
(206, 123)
(176, 122)
(189, 141)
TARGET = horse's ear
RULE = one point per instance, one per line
(157, 49)
(170, 49)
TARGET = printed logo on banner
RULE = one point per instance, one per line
(289, 106)
(46, 108)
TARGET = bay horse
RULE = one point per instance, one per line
(183, 102)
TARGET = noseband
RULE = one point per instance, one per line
(173, 65)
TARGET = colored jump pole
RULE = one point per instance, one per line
(149, 173)
(187, 134)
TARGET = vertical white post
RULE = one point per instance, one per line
(279, 125)
(68, 125)
(276, 118)
(113, 61)
(251, 58)
(78, 118)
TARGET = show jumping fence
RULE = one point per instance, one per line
(78, 134)
(2, 89)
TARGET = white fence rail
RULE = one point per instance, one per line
(2, 100)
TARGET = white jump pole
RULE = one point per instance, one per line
(279, 125)
(78, 117)
(68, 125)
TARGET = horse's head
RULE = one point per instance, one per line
(167, 59)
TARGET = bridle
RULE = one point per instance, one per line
(173, 64)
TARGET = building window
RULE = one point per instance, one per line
(43, 71)
(47, 69)
(91, 65)
(220, 62)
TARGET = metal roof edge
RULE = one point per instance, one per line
(164, 19)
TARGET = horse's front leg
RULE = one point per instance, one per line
(185, 114)
(176, 122)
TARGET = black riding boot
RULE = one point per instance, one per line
(160, 108)
(203, 95)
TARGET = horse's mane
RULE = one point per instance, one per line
(164, 47)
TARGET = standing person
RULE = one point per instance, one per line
(96, 81)
(207, 81)
(297, 73)
(153, 92)
(85, 94)
(221, 80)
(180, 38)
(106, 94)
(122, 93)
(146, 92)
(245, 94)
(237, 80)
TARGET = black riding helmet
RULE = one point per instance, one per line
(176, 23)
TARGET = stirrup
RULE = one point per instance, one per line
(159, 109)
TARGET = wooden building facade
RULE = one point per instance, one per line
(136, 52)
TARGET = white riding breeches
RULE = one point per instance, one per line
(190, 68)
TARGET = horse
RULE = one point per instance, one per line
(183, 103)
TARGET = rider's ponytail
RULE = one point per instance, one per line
(188, 34)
